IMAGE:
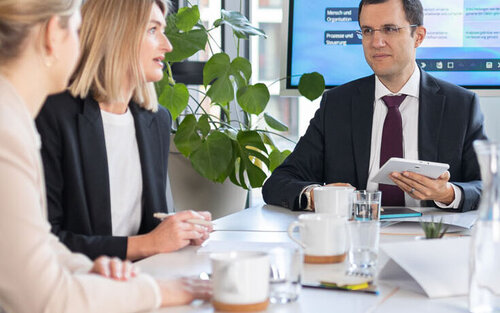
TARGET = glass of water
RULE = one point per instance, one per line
(286, 272)
(364, 232)
(363, 251)
(366, 205)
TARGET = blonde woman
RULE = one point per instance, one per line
(39, 48)
(105, 142)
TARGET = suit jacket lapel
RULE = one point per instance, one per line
(95, 167)
(431, 107)
(361, 121)
(151, 157)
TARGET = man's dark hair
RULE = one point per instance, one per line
(413, 10)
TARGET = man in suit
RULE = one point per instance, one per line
(400, 111)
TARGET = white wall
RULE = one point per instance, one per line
(491, 110)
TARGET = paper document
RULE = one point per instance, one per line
(439, 266)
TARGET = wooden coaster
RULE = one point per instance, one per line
(252, 307)
(324, 259)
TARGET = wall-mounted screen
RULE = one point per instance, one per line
(462, 45)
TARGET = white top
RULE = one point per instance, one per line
(125, 175)
(38, 273)
(409, 116)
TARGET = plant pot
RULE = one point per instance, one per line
(191, 191)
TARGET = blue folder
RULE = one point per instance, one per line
(398, 212)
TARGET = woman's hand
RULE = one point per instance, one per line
(184, 291)
(114, 268)
(207, 216)
(173, 233)
(176, 232)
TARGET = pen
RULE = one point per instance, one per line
(198, 221)
(370, 289)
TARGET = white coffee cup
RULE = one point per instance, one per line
(240, 281)
(333, 199)
(323, 237)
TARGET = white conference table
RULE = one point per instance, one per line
(268, 224)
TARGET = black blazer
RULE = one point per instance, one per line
(76, 172)
(336, 145)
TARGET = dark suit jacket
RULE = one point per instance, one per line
(336, 146)
(76, 172)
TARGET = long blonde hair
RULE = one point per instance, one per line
(110, 38)
(18, 17)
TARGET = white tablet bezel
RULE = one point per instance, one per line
(426, 168)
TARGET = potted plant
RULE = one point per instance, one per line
(434, 230)
(230, 145)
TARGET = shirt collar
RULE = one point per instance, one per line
(411, 88)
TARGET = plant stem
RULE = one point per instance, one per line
(274, 133)
(283, 78)
(194, 89)
(218, 46)
(204, 111)
(169, 73)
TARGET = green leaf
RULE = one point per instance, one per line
(174, 98)
(187, 139)
(231, 133)
(160, 85)
(267, 139)
(253, 99)
(311, 85)
(274, 123)
(213, 156)
(240, 25)
(187, 17)
(276, 158)
(218, 65)
(203, 125)
(251, 138)
(184, 44)
(241, 69)
(256, 176)
(216, 72)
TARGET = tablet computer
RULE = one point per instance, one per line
(426, 168)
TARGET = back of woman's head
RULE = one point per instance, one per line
(110, 40)
(18, 17)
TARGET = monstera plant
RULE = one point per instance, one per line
(230, 144)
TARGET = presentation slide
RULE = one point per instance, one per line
(462, 44)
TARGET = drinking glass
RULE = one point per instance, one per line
(363, 252)
(366, 205)
(286, 272)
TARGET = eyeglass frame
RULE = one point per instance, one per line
(383, 30)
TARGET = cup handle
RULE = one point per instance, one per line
(292, 226)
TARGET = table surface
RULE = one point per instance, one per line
(268, 224)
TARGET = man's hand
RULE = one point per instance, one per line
(114, 268)
(333, 184)
(424, 188)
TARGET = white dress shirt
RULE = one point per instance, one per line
(409, 116)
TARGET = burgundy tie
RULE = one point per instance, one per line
(392, 146)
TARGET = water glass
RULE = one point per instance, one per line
(366, 205)
(363, 252)
(286, 272)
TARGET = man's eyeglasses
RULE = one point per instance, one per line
(389, 30)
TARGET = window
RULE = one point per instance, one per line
(265, 56)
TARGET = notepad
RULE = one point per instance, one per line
(398, 212)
